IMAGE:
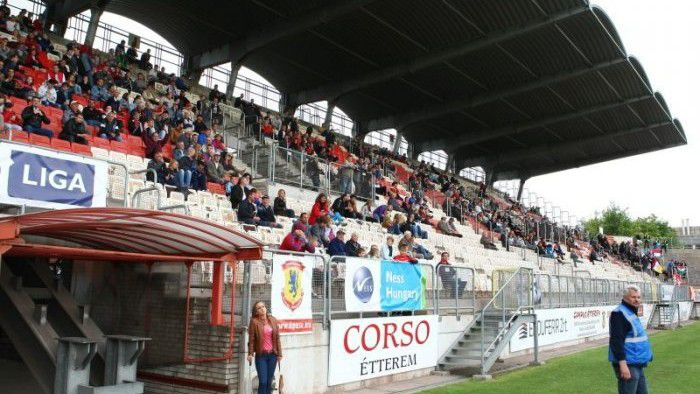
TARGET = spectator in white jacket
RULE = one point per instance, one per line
(47, 93)
(388, 249)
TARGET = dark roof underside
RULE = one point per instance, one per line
(520, 87)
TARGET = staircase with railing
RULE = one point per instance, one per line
(483, 341)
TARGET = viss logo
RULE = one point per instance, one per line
(363, 284)
(523, 331)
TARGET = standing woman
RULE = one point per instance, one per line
(264, 344)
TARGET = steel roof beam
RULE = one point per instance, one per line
(241, 48)
(432, 111)
(548, 149)
(536, 171)
(461, 142)
(337, 89)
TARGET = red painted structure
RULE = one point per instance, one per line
(133, 236)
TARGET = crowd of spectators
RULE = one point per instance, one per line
(114, 94)
(182, 138)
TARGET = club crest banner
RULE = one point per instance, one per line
(291, 293)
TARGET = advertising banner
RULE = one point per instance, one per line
(290, 301)
(42, 178)
(568, 324)
(384, 286)
(368, 348)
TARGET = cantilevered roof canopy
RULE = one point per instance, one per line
(124, 234)
(520, 87)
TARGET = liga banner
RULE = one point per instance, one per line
(42, 178)
(372, 286)
(361, 349)
(291, 296)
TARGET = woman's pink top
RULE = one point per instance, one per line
(267, 339)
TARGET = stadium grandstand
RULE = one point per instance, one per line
(151, 193)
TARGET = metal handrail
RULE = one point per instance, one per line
(501, 293)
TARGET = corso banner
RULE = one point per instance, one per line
(368, 348)
(567, 324)
(45, 179)
(292, 293)
(384, 286)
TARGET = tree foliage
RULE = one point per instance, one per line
(616, 221)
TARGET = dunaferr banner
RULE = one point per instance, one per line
(42, 178)
(372, 286)
(363, 349)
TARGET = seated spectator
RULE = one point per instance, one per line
(174, 176)
(240, 191)
(487, 242)
(215, 170)
(417, 250)
(388, 252)
(99, 91)
(47, 93)
(199, 176)
(247, 210)
(404, 255)
(452, 227)
(93, 115)
(12, 121)
(410, 224)
(154, 144)
(321, 230)
(266, 214)
(448, 276)
(280, 205)
(159, 166)
(373, 252)
(110, 127)
(352, 247)
(396, 224)
(349, 209)
(302, 223)
(320, 208)
(33, 118)
(541, 247)
(296, 241)
(366, 212)
(69, 113)
(337, 246)
(74, 130)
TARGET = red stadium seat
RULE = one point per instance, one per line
(168, 150)
(216, 188)
(118, 146)
(89, 138)
(82, 100)
(98, 142)
(92, 129)
(20, 135)
(137, 151)
(39, 140)
(81, 149)
(135, 141)
(60, 144)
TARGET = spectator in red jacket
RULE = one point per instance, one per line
(296, 241)
(404, 255)
(319, 209)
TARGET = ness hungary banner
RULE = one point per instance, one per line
(46, 179)
(384, 286)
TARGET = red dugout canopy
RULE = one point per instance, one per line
(123, 234)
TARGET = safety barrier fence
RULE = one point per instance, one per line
(447, 290)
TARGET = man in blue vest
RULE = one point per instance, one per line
(629, 351)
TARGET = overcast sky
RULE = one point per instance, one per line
(664, 36)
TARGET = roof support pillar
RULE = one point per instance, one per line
(397, 142)
(329, 115)
(521, 187)
(490, 177)
(232, 77)
(95, 15)
(217, 295)
(287, 107)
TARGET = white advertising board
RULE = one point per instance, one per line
(290, 300)
(363, 349)
(561, 325)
